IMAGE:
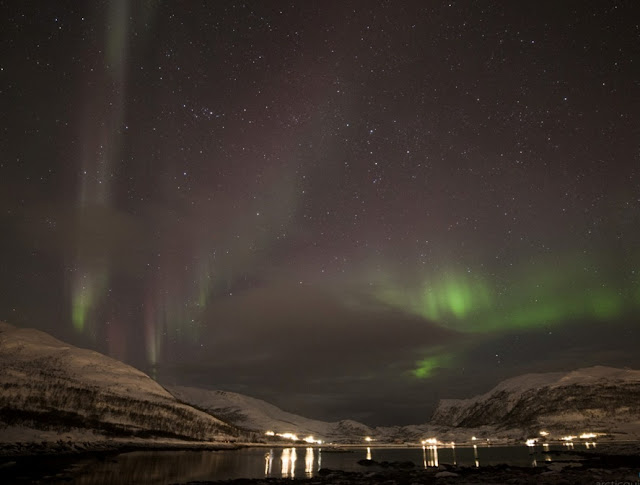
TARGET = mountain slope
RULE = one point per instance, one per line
(48, 385)
(597, 398)
(259, 416)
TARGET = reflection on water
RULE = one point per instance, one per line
(288, 459)
(308, 463)
(165, 467)
(268, 462)
(430, 456)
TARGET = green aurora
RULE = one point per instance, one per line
(539, 296)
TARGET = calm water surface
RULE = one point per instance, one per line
(166, 467)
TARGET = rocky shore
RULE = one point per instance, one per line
(491, 474)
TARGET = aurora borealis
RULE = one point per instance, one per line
(349, 209)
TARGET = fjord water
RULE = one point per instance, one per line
(158, 467)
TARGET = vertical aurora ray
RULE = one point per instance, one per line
(152, 343)
(88, 287)
(101, 140)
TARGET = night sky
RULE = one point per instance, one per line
(350, 209)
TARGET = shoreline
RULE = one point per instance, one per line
(107, 447)
(62, 447)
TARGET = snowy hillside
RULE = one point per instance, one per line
(259, 416)
(48, 385)
(597, 398)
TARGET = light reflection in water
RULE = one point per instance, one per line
(308, 462)
(430, 456)
(268, 462)
(288, 459)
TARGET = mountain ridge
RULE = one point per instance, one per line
(598, 397)
(50, 385)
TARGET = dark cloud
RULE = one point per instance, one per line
(285, 340)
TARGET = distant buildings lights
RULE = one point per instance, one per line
(291, 436)
(544, 433)
(531, 442)
(368, 439)
(586, 436)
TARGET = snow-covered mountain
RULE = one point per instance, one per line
(599, 399)
(596, 399)
(260, 416)
(47, 385)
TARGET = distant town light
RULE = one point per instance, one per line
(368, 439)
(430, 441)
(544, 433)
(288, 436)
(270, 433)
(531, 442)
(586, 436)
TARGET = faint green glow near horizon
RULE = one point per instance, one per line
(426, 367)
